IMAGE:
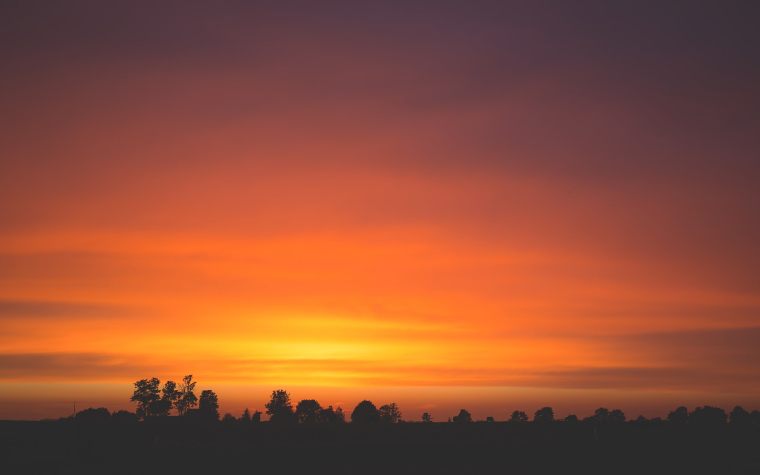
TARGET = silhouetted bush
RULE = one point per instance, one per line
(708, 415)
(740, 416)
(330, 416)
(679, 416)
(280, 408)
(754, 417)
(124, 416)
(426, 417)
(365, 412)
(463, 416)
(518, 416)
(616, 415)
(91, 415)
(602, 414)
(228, 418)
(571, 418)
(308, 411)
(389, 413)
(208, 405)
(545, 414)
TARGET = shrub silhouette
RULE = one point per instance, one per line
(146, 394)
(124, 416)
(602, 414)
(279, 407)
(186, 398)
(739, 416)
(330, 416)
(389, 413)
(754, 417)
(463, 417)
(365, 412)
(679, 416)
(91, 415)
(228, 418)
(708, 415)
(518, 416)
(571, 418)
(545, 414)
(616, 415)
(208, 405)
(308, 411)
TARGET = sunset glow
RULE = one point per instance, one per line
(493, 205)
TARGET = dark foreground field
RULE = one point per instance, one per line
(560, 447)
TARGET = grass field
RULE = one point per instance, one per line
(500, 447)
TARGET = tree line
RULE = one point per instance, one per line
(156, 402)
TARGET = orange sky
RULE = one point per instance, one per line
(474, 209)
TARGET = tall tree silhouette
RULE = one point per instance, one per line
(208, 405)
(186, 398)
(545, 414)
(146, 394)
(389, 413)
(246, 416)
(280, 408)
(426, 417)
(365, 412)
(308, 411)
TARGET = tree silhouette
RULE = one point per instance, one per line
(641, 419)
(308, 411)
(186, 398)
(389, 413)
(708, 415)
(279, 407)
(246, 416)
(616, 415)
(330, 416)
(754, 417)
(91, 415)
(602, 414)
(426, 417)
(545, 414)
(679, 416)
(124, 416)
(228, 418)
(463, 416)
(518, 416)
(256, 416)
(739, 416)
(365, 412)
(146, 394)
(571, 418)
(208, 405)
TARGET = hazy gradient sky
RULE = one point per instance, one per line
(491, 203)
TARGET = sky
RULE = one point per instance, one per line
(484, 204)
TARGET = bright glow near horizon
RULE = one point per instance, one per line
(295, 198)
